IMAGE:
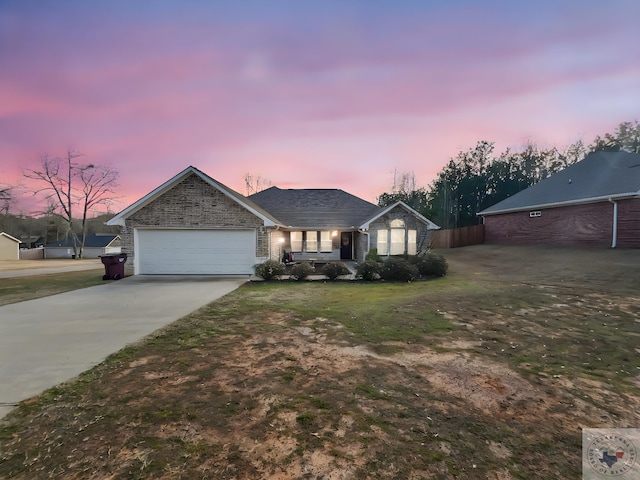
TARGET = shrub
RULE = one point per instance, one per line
(432, 264)
(269, 270)
(300, 271)
(369, 270)
(398, 270)
(372, 254)
(334, 270)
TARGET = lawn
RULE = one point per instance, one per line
(19, 289)
(490, 372)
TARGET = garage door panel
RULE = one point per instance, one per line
(203, 252)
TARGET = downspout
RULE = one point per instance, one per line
(362, 230)
(614, 237)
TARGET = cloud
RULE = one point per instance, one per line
(307, 95)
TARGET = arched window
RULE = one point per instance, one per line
(396, 247)
(396, 240)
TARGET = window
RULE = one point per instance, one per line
(296, 241)
(537, 213)
(312, 241)
(382, 242)
(397, 241)
(412, 244)
(325, 242)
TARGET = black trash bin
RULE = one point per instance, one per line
(113, 266)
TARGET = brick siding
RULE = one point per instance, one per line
(629, 223)
(193, 203)
(589, 225)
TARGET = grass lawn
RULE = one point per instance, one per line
(490, 372)
(19, 289)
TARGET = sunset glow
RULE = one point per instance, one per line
(325, 94)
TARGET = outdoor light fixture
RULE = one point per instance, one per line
(334, 233)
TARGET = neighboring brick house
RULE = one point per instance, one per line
(592, 203)
(193, 224)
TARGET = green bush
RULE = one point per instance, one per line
(432, 264)
(334, 270)
(398, 270)
(369, 270)
(372, 254)
(300, 271)
(269, 270)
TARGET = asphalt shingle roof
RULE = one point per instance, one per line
(599, 176)
(315, 208)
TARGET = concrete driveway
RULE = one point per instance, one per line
(50, 340)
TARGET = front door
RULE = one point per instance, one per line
(346, 246)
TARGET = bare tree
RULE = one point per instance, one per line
(5, 198)
(97, 188)
(255, 184)
(404, 182)
(66, 184)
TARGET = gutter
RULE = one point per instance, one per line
(566, 203)
(614, 236)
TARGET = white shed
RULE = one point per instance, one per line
(9, 247)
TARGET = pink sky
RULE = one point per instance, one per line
(307, 94)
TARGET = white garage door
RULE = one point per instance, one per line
(195, 252)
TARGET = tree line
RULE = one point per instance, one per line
(478, 178)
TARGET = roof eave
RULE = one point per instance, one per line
(10, 237)
(581, 201)
(384, 211)
(120, 218)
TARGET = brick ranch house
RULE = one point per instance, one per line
(193, 224)
(592, 203)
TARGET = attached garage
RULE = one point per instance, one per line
(194, 252)
(194, 225)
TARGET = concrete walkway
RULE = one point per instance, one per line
(49, 340)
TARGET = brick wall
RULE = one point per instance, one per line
(192, 203)
(629, 223)
(587, 225)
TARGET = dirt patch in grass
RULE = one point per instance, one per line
(490, 372)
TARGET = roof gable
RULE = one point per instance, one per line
(383, 211)
(3, 234)
(315, 208)
(600, 176)
(120, 218)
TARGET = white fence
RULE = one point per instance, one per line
(32, 253)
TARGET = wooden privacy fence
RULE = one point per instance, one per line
(457, 237)
(32, 253)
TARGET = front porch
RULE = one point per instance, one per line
(317, 246)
